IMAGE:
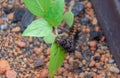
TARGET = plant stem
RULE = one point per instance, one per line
(56, 31)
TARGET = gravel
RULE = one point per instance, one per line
(28, 57)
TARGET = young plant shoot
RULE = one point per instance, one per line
(51, 14)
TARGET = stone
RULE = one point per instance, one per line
(71, 60)
(3, 27)
(88, 5)
(95, 35)
(65, 73)
(21, 44)
(38, 50)
(97, 28)
(11, 16)
(8, 10)
(66, 66)
(19, 12)
(81, 75)
(60, 71)
(58, 77)
(16, 29)
(113, 69)
(97, 65)
(85, 21)
(4, 66)
(27, 19)
(70, 75)
(1, 21)
(38, 63)
(44, 73)
(78, 54)
(92, 63)
(77, 8)
(80, 64)
(93, 43)
(83, 62)
(4, 4)
(94, 21)
(11, 74)
(111, 60)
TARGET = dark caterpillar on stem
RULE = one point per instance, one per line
(69, 42)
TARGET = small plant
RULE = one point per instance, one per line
(51, 13)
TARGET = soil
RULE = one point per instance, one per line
(28, 57)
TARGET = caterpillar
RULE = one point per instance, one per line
(69, 42)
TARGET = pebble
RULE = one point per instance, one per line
(18, 14)
(60, 71)
(83, 29)
(16, 29)
(27, 19)
(11, 16)
(10, 6)
(65, 73)
(97, 65)
(70, 75)
(78, 54)
(58, 77)
(87, 55)
(11, 74)
(81, 75)
(4, 66)
(38, 63)
(84, 21)
(92, 48)
(94, 21)
(102, 59)
(80, 64)
(83, 62)
(95, 35)
(113, 69)
(87, 76)
(78, 7)
(93, 43)
(38, 50)
(5, 19)
(92, 63)
(66, 66)
(88, 5)
(3, 27)
(111, 61)
(8, 10)
(71, 60)
(97, 28)
(4, 4)
(1, 21)
(44, 73)
(21, 44)
(88, 30)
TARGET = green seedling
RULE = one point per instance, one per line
(51, 14)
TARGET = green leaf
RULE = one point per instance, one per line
(50, 38)
(57, 55)
(69, 18)
(38, 28)
(37, 7)
(54, 14)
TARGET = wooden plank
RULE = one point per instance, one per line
(108, 14)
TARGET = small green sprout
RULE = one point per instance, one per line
(51, 13)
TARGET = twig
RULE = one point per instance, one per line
(64, 30)
(56, 31)
(72, 3)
